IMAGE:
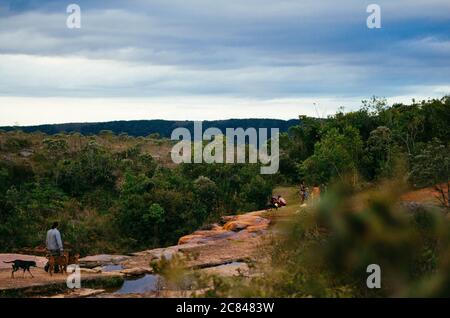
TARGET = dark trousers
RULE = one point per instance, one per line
(55, 253)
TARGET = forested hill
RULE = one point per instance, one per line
(162, 127)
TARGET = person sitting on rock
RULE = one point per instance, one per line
(281, 201)
(274, 202)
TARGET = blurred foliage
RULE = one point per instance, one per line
(326, 249)
(176, 275)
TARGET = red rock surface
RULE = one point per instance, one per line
(236, 227)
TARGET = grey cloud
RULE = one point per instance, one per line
(253, 48)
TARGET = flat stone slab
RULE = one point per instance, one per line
(228, 270)
(80, 293)
(89, 271)
(102, 259)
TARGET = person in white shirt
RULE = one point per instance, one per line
(53, 242)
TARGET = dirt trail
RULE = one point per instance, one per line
(425, 195)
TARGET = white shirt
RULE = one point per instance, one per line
(53, 241)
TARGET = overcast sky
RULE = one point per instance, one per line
(215, 59)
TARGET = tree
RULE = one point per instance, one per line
(335, 156)
(298, 144)
(154, 218)
(377, 160)
(256, 193)
(136, 184)
(206, 193)
(437, 119)
(407, 124)
(432, 168)
(92, 168)
(155, 214)
(55, 146)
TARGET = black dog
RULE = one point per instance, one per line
(18, 264)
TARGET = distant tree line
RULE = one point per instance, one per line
(162, 128)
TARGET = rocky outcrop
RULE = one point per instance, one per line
(235, 227)
(202, 237)
(241, 222)
(223, 249)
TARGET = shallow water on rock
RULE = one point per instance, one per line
(111, 268)
(147, 283)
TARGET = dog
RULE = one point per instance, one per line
(19, 264)
(73, 259)
(61, 262)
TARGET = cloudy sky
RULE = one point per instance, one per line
(211, 59)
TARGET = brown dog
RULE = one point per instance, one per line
(61, 261)
(73, 259)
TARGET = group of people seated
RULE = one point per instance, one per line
(277, 202)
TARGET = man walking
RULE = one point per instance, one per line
(54, 243)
